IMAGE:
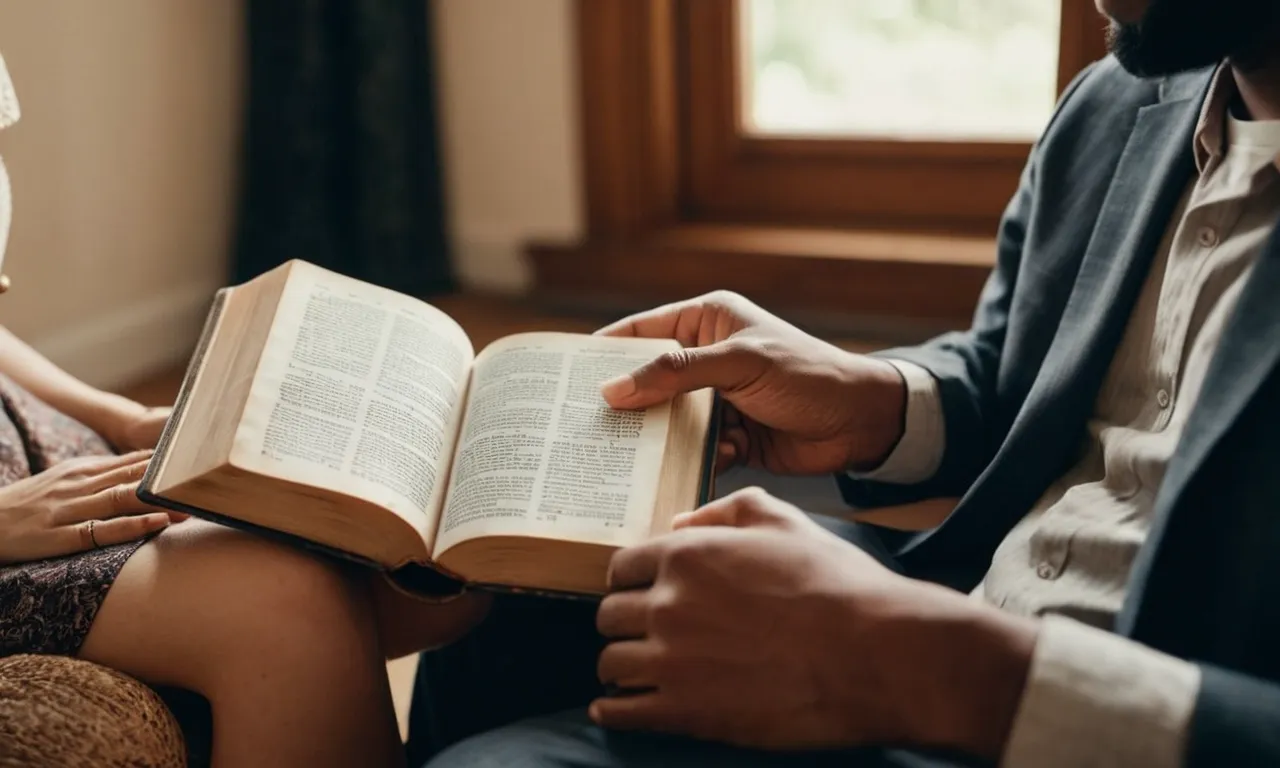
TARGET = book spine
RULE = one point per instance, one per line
(707, 490)
(425, 581)
(211, 323)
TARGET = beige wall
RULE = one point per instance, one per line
(124, 163)
(123, 175)
(509, 106)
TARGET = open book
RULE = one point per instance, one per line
(358, 420)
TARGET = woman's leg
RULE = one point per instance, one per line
(283, 645)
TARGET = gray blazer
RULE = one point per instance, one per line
(1017, 388)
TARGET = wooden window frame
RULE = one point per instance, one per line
(679, 202)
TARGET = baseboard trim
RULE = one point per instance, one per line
(131, 343)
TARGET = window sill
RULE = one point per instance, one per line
(931, 280)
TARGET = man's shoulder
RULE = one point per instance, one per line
(1103, 89)
(1107, 77)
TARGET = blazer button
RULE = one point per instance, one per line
(1046, 571)
(1163, 399)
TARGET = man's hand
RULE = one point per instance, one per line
(797, 405)
(755, 626)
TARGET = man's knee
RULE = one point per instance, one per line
(570, 739)
(563, 740)
(539, 653)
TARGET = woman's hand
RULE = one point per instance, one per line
(75, 506)
(137, 427)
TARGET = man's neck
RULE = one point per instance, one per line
(1260, 89)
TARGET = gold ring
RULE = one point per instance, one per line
(93, 538)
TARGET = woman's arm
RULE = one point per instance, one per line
(114, 417)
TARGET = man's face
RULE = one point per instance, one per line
(1163, 37)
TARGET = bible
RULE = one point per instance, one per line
(353, 419)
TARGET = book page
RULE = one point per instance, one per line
(542, 454)
(359, 391)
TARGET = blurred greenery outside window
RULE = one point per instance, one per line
(930, 70)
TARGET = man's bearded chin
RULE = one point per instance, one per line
(1178, 35)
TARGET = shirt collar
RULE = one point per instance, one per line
(1210, 136)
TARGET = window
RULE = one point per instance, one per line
(874, 66)
(904, 69)
(819, 154)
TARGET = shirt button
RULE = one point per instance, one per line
(1163, 399)
(1207, 237)
(1046, 571)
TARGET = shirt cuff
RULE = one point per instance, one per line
(919, 453)
(1096, 699)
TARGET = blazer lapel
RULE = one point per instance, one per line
(1150, 178)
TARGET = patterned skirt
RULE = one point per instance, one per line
(48, 606)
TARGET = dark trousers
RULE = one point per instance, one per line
(535, 658)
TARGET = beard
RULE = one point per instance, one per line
(1178, 35)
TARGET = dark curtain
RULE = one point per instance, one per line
(341, 158)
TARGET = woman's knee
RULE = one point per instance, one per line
(201, 596)
(248, 577)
